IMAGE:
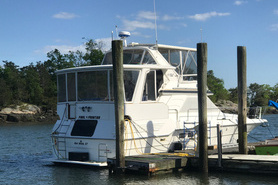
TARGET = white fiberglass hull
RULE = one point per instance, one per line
(89, 151)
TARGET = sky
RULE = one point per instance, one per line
(29, 29)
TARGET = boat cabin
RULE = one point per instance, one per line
(149, 63)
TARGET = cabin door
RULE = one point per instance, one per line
(71, 110)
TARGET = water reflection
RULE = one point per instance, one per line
(24, 148)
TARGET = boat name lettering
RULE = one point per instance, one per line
(80, 143)
(89, 117)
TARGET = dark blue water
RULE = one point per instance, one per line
(262, 133)
(24, 148)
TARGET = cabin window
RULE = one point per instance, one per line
(130, 80)
(173, 57)
(148, 59)
(107, 59)
(131, 57)
(149, 90)
(61, 88)
(84, 128)
(111, 85)
(190, 66)
(71, 87)
(92, 85)
(184, 61)
(154, 81)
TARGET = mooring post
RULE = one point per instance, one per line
(117, 58)
(202, 105)
(242, 99)
(219, 145)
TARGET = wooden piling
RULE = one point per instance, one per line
(117, 57)
(219, 145)
(242, 99)
(202, 105)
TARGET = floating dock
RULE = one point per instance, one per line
(167, 162)
(246, 163)
(150, 164)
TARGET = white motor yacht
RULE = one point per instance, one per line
(161, 107)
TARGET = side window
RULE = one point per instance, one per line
(92, 86)
(130, 80)
(149, 90)
(71, 87)
(154, 81)
(61, 88)
(107, 59)
(159, 80)
(148, 59)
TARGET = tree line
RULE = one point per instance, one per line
(257, 95)
(37, 84)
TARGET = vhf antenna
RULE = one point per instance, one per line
(155, 26)
(117, 31)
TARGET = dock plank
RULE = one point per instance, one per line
(263, 164)
(271, 158)
(152, 163)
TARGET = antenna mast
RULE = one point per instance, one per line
(155, 26)
(201, 30)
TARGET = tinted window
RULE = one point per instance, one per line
(62, 88)
(84, 128)
(154, 81)
(148, 59)
(129, 57)
(92, 85)
(130, 80)
(71, 87)
(149, 90)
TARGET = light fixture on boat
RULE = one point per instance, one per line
(124, 35)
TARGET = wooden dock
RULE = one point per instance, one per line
(247, 163)
(151, 164)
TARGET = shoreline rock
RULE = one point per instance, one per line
(228, 106)
(26, 113)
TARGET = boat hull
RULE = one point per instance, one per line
(266, 149)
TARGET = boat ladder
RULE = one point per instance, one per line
(61, 141)
(102, 151)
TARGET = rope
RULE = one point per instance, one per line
(270, 132)
(145, 138)
(253, 137)
(133, 138)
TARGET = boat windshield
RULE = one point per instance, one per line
(185, 61)
(134, 56)
(93, 85)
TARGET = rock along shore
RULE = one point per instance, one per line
(26, 113)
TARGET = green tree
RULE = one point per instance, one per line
(33, 85)
(5, 92)
(274, 94)
(233, 93)
(216, 86)
(48, 84)
(259, 94)
(57, 61)
(12, 76)
(93, 55)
